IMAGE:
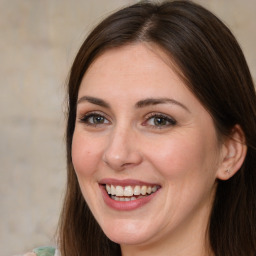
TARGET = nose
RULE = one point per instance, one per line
(122, 151)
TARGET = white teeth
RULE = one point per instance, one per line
(108, 188)
(136, 191)
(143, 190)
(124, 199)
(128, 191)
(112, 190)
(154, 189)
(120, 193)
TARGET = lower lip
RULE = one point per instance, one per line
(126, 205)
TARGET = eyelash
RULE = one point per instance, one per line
(85, 118)
(169, 121)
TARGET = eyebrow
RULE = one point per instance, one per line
(139, 104)
(94, 100)
(156, 101)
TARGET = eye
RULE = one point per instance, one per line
(159, 121)
(94, 119)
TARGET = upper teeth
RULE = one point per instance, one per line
(129, 190)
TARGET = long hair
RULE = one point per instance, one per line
(213, 67)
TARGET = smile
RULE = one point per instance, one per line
(129, 193)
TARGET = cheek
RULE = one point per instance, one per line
(183, 156)
(187, 166)
(86, 154)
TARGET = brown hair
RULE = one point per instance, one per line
(214, 68)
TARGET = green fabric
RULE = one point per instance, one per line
(44, 251)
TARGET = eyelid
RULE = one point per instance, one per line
(92, 112)
(168, 118)
(83, 117)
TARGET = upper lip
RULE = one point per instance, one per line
(125, 182)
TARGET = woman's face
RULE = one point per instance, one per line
(144, 149)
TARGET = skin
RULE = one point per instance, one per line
(183, 156)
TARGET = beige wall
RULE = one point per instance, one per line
(38, 42)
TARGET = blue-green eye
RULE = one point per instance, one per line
(159, 121)
(94, 119)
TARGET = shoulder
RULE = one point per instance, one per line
(43, 251)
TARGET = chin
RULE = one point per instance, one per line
(127, 238)
(127, 233)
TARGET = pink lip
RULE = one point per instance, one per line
(125, 182)
(125, 205)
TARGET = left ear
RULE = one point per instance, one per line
(233, 154)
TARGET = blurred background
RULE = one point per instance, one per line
(38, 42)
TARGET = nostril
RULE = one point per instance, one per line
(126, 164)
(121, 157)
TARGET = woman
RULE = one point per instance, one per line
(160, 138)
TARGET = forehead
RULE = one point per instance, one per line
(124, 66)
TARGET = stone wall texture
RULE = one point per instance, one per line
(39, 39)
